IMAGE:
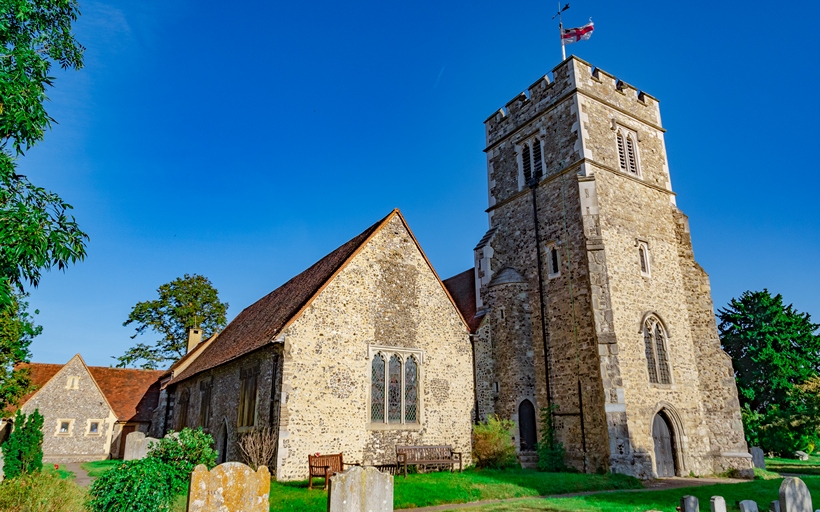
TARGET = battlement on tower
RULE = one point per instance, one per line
(570, 76)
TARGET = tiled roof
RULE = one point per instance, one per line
(133, 394)
(462, 289)
(258, 324)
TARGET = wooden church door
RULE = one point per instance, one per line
(664, 454)
(526, 426)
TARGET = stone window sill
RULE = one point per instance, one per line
(662, 386)
(394, 426)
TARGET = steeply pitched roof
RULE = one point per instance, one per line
(462, 290)
(259, 323)
(133, 394)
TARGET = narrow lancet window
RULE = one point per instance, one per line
(411, 391)
(377, 390)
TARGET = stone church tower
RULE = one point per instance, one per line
(590, 295)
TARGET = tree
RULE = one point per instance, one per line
(17, 330)
(23, 451)
(776, 354)
(184, 303)
(36, 230)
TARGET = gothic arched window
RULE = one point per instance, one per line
(627, 151)
(394, 385)
(657, 361)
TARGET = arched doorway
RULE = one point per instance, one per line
(663, 435)
(526, 426)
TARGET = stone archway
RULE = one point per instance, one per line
(527, 436)
(663, 434)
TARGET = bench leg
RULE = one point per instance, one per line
(310, 482)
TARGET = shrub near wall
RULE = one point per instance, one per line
(142, 485)
(23, 451)
(182, 452)
(492, 444)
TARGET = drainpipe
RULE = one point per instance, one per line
(473, 339)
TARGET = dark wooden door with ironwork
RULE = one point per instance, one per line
(127, 429)
(664, 453)
(526, 426)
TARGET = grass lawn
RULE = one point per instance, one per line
(61, 472)
(98, 467)
(762, 491)
(422, 490)
(803, 467)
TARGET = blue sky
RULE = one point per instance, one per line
(245, 140)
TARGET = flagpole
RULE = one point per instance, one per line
(561, 32)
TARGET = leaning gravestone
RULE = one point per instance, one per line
(748, 506)
(794, 496)
(229, 487)
(757, 457)
(689, 504)
(142, 448)
(132, 442)
(801, 455)
(360, 490)
(718, 504)
(774, 506)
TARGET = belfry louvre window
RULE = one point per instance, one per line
(248, 387)
(394, 385)
(532, 162)
(627, 151)
(654, 336)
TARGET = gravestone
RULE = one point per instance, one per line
(748, 506)
(801, 455)
(132, 442)
(1, 467)
(141, 450)
(774, 506)
(360, 490)
(229, 487)
(757, 457)
(794, 496)
(689, 504)
(718, 504)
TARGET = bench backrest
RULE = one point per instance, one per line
(422, 453)
(320, 461)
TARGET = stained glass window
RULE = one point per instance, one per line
(411, 390)
(377, 390)
(656, 357)
(650, 354)
(394, 391)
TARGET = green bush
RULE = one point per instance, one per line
(550, 450)
(43, 491)
(23, 451)
(135, 486)
(492, 444)
(182, 452)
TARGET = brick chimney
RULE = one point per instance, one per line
(194, 337)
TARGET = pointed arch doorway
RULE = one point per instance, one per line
(662, 435)
(526, 426)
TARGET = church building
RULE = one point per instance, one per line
(588, 296)
(585, 303)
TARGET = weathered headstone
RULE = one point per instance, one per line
(718, 504)
(757, 457)
(748, 506)
(689, 504)
(774, 506)
(794, 496)
(229, 487)
(361, 490)
(141, 450)
(2, 475)
(801, 455)
(132, 442)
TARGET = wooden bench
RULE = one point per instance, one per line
(442, 455)
(325, 466)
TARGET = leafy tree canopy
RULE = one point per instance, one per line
(184, 303)
(36, 231)
(776, 355)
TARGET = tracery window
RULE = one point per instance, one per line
(394, 385)
(627, 151)
(654, 336)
